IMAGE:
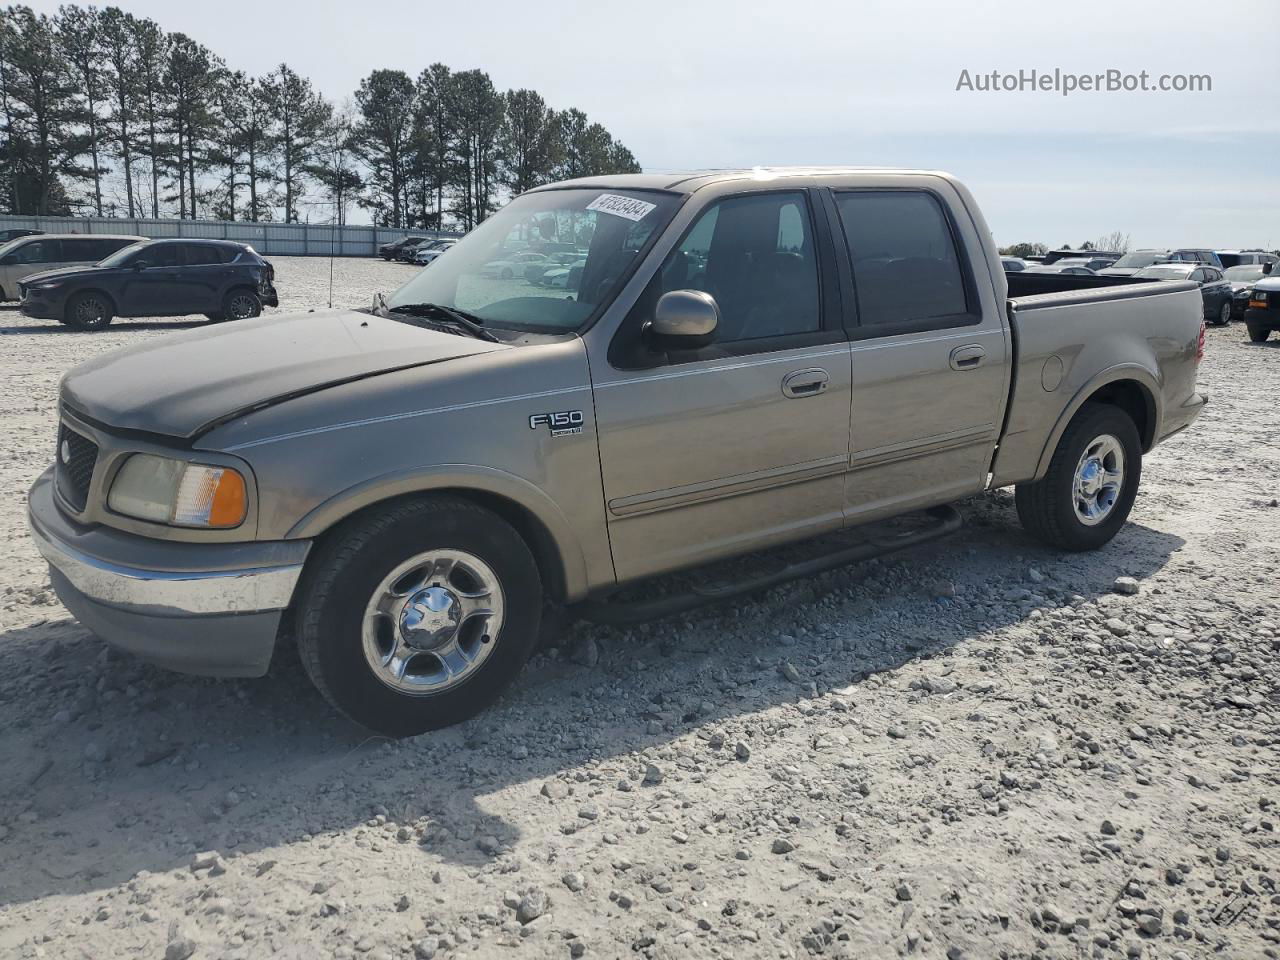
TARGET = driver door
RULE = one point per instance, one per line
(743, 443)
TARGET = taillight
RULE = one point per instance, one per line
(1200, 343)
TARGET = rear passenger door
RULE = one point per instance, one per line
(930, 356)
(204, 277)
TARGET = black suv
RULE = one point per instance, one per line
(156, 278)
(392, 250)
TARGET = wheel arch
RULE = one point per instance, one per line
(1130, 387)
(533, 514)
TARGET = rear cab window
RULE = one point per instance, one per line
(906, 263)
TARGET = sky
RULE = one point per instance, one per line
(708, 83)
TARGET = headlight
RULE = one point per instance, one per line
(179, 493)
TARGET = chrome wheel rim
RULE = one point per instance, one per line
(1098, 480)
(90, 312)
(241, 307)
(432, 622)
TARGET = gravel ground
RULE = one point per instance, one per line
(977, 749)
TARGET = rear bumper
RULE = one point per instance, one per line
(1178, 420)
(197, 608)
(268, 296)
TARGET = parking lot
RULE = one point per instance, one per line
(980, 748)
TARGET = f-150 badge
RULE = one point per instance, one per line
(561, 423)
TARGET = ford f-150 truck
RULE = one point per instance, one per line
(746, 359)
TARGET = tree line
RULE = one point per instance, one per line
(105, 113)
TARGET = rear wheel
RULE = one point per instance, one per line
(1224, 315)
(419, 615)
(1087, 493)
(240, 304)
(1258, 334)
(88, 311)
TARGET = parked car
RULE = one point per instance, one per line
(1134, 261)
(513, 265)
(1215, 290)
(706, 393)
(16, 232)
(1013, 264)
(155, 278)
(1074, 267)
(1194, 255)
(1055, 255)
(427, 252)
(1262, 315)
(1239, 258)
(391, 251)
(1243, 279)
(406, 253)
(53, 251)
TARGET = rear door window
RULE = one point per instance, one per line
(907, 272)
(87, 250)
(202, 254)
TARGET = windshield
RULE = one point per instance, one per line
(1136, 261)
(1245, 273)
(546, 260)
(121, 256)
(1164, 273)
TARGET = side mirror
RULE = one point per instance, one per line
(684, 320)
(139, 265)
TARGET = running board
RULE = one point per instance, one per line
(947, 520)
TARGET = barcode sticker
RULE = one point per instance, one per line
(626, 207)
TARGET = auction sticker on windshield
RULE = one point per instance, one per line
(626, 207)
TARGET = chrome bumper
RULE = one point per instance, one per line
(238, 578)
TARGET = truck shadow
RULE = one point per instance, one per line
(112, 767)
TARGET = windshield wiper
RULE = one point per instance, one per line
(467, 321)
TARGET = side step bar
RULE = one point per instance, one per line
(947, 520)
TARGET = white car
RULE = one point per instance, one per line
(429, 251)
(512, 266)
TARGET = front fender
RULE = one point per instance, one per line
(459, 477)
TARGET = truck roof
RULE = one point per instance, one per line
(687, 181)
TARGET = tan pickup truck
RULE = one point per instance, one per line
(683, 369)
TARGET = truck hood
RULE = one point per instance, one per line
(1268, 283)
(183, 384)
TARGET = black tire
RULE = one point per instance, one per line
(348, 568)
(1258, 334)
(88, 311)
(1047, 508)
(1224, 315)
(240, 304)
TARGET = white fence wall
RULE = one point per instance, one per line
(279, 239)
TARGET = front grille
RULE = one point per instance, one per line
(76, 457)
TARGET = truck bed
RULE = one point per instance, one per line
(1067, 332)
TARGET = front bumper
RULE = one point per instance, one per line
(207, 608)
(43, 305)
(1268, 319)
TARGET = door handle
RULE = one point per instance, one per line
(967, 357)
(805, 383)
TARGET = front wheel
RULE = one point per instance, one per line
(419, 615)
(1085, 496)
(88, 311)
(1258, 334)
